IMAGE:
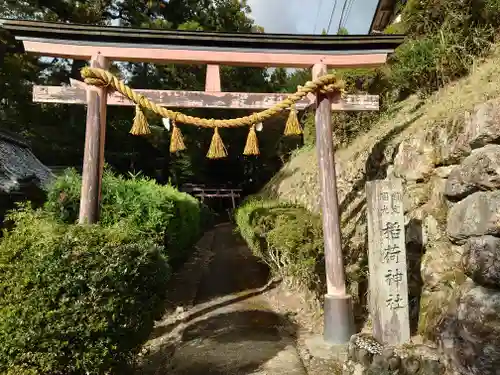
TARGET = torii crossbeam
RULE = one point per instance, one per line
(102, 45)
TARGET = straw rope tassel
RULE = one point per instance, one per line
(102, 78)
(292, 124)
(176, 141)
(217, 149)
(140, 125)
(252, 145)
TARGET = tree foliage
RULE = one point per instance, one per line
(444, 39)
(56, 132)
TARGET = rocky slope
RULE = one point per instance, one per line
(446, 149)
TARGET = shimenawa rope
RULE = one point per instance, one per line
(102, 78)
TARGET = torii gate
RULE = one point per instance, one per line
(102, 45)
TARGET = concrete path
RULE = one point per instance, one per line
(230, 329)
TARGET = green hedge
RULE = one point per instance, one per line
(76, 299)
(83, 299)
(288, 238)
(160, 212)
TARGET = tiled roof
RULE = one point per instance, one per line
(19, 166)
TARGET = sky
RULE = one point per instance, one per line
(294, 17)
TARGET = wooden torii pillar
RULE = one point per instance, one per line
(338, 308)
(95, 139)
(244, 50)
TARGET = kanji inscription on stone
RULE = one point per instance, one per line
(388, 283)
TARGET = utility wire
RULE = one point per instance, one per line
(348, 13)
(331, 17)
(342, 15)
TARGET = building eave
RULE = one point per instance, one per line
(383, 16)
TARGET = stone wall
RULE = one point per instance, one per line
(452, 211)
(451, 180)
(460, 265)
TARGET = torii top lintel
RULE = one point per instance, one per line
(83, 42)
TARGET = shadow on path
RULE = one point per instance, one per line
(207, 308)
(233, 269)
(231, 330)
(237, 342)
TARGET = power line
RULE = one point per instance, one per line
(331, 17)
(342, 14)
(317, 16)
(348, 12)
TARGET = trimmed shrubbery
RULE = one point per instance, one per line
(288, 238)
(75, 299)
(159, 212)
(82, 299)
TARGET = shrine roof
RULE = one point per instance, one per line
(19, 167)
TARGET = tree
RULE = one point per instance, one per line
(210, 15)
(342, 31)
(57, 131)
(278, 80)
